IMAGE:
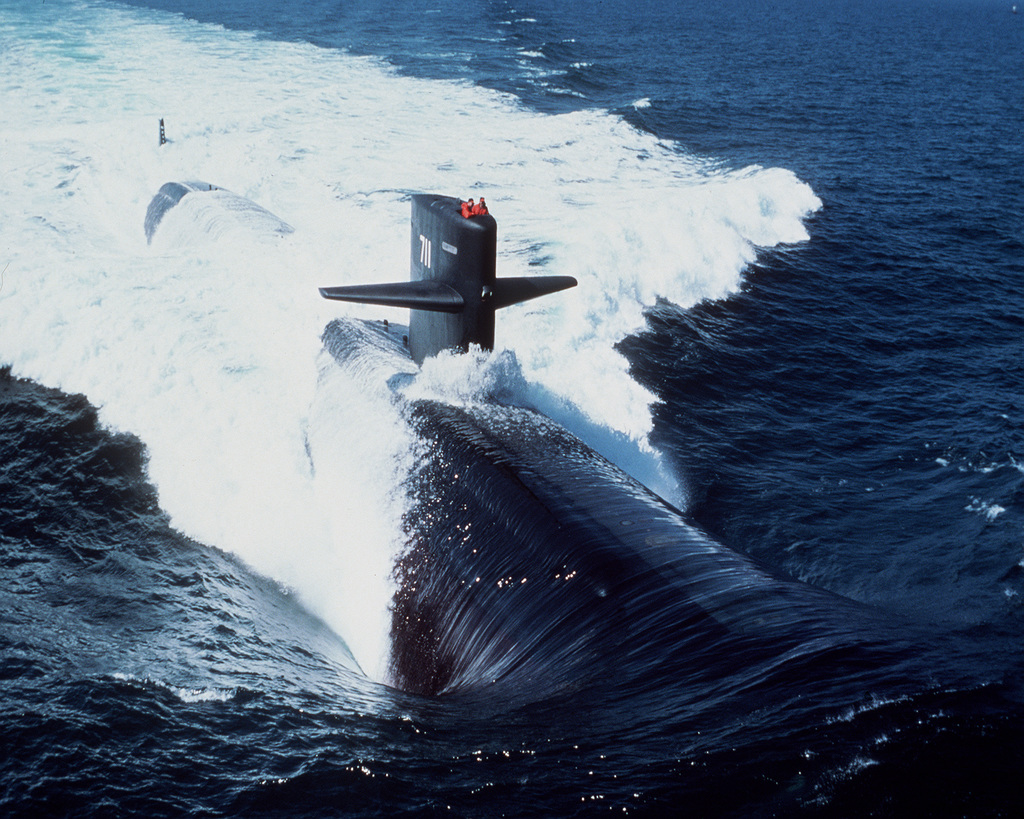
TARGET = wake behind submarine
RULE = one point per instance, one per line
(533, 562)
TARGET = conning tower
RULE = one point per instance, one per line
(452, 290)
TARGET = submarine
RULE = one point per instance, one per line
(532, 561)
(533, 565)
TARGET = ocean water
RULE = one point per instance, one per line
(799, 236)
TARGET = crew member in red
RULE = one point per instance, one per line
(481, 208)
(467, 209)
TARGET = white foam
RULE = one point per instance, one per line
(875, 703)
(205, 345)
(187, 695)
(479, 377)
(362, 451)
(989, 510)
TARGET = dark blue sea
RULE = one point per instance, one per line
(798, 231)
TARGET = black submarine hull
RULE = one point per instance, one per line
(534, 564)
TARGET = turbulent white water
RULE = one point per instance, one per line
(206, 343)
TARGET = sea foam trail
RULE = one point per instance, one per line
(205, 344)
